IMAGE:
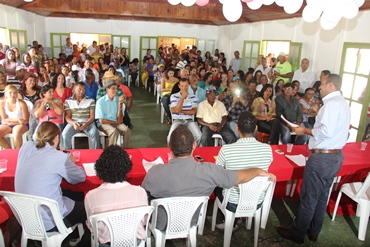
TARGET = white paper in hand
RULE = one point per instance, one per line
(289, 123)
(300, 160)
(147, 165)
(89, 169)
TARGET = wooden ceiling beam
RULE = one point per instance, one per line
(126, 8)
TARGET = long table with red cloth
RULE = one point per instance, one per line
(355, 161)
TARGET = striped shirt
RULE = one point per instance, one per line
(189, 103)
(244, 154)
(80, 111)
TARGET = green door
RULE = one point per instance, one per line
(355, 72)
(251, 50)
(57, 40)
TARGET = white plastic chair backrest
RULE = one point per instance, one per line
(365, 187)
(122, 224)
(29, 106)
(180, 212)
(249, 194)
(26, 209)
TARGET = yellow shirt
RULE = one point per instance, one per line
(168, 85)
(211, 114)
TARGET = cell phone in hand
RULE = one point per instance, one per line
(198, 158)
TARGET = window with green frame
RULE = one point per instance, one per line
(122, 41)
(18, 38)
(251, 50)
(57, 40)
(355, 72)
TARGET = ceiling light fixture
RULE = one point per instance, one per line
(28, 1)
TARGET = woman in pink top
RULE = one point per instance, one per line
(60, 90)
(9, 64)
(115, 193)
(49, 108)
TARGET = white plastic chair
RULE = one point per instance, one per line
(136, 83)
(267, 204)
(122, 224)
(180, 211)
(162, 112)
(10, 138)
(26, 209)
(249, 195)
(2, 243)
(360, 193)
(159, 93)
(80, 135)
(218, 140)
(102, 139)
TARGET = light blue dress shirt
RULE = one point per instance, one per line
(332, 123)
(106, 109)
(40, 171)
(200, 93)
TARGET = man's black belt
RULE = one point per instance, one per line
(326, 151)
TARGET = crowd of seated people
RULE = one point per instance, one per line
(33, 70)
(268, 90)
(63, 90)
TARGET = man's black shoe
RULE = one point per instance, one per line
(287, 234)
(312, 238)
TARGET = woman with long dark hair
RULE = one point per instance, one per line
(264, 109)
(60, 90)
(29, 89)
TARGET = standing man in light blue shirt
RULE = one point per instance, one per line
(109, 116)
(327, 139)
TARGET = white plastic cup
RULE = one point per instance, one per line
(289, 147)
(77, 155)
(363, 146)
(3, 165)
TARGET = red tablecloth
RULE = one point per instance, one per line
(355, 161)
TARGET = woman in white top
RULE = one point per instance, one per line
(14, 115)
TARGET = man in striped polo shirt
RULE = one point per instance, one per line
(246, 153)
(80, 116)
(183, 108)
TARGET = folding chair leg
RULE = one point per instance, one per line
(214, 214)
(229, 223)
(257, 220)
(364, 218)
(336, 205)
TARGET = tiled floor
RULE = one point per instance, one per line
(148, 132)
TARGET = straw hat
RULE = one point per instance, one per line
(110, 75)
